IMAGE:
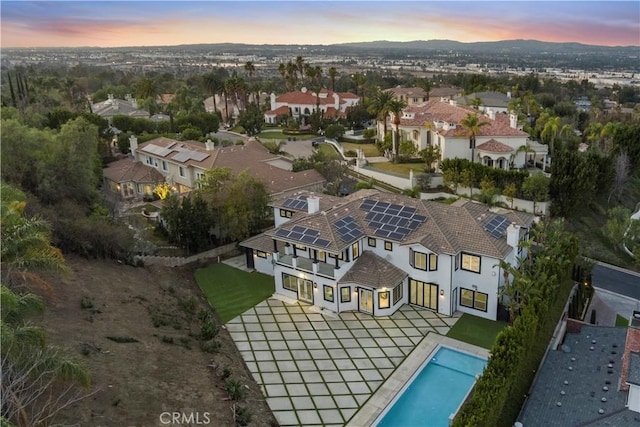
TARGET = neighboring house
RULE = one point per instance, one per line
(416, 95)
(501, 143)
(498, 102)
(114, 107)
(302, 103)
(131, 179)
(592, 380)
(183, 163)
(374, 252)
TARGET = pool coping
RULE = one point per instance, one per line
(373, 408)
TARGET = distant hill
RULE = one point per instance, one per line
(521, 46)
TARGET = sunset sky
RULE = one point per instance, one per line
(154, 23)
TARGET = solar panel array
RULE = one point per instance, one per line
(299, 204)
(157, 150)
(390, 220)
(348, 229)
(307, 236)
(186, 155)
(497, 226)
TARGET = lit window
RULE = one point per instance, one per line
(300, 247)
(388, 246)
(328, 293)
(473, 299)
(383, 299)
(355, 250)
(420, 260)
(397, 293)
(345, 294)
(261, 254)
(433, 262)
(471, 263)
(372, 242)
(285, 213)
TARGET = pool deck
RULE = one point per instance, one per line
(371, 410)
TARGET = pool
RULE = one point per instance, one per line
(435, 391)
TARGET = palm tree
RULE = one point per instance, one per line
(300, 66)
(146, 88)
(379, 107)
(213, 84)
(550, 132)
(315, 78)
(425, 85)
(333, 73)
(282, 69)
(475, 102)
(472, 125)
(33, 372)
(26, 247)
(229, 90)
(395, 107)
(359, 79)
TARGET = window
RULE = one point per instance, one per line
(345, 294)
(261, 254)
(285, 213)
(397, 293)
(289, 282)
(433, 262)
(300, 247)
(149, 160)
(182, 171)
(383, 299)
(321, 256)
(328, 293)
(473, 299)
(372, 242)
(355, 250)
(155, 163)
(457, 262)
(419, 260)
(423, 294)
(199, 175)
(164, 166)
(471, 263)
(388, 246)
(339, 256)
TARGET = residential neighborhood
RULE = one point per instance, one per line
(274, 218)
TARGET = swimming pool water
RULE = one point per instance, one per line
(436, 391)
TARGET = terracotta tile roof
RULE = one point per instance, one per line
(434, 111)
(494, 146)
(436, 92)
(280, 110)
(373, 271)
(128, 170)
(447, 228)
(309, 97)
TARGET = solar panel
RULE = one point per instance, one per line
(157, 150)
(322, 243)
(298, 229)
(304, 235)
(295, 236)
(282, 232)
(308, 238)
(298, 204)
(391, 220)
(497, 226)
(348, 229)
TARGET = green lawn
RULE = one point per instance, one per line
(370, 150)
(231, 291)
(328, 150)
(399, 168)
(622, 321)
(476, 330)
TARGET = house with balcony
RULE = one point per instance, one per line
(183, 164)
(501, 142)
(373, 252)
(300, 104)
(416, 95)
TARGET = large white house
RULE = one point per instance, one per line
(373, 252)
(501, 142)
(302, 103)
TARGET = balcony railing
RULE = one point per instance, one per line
(305, 264)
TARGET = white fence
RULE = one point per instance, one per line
(173, 261)
(394, 180)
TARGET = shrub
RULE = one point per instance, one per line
(226, 372)
(243, 416)
(208, 330)
(350, 153)
(235, 389)
(86, 302)
(210, 346)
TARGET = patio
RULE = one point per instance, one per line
(319, 369)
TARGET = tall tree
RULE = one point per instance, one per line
(551, 131)
(425, 85)
(146, 88)
(536, 188)
(472, 125)
(395, 107)
(359, 79)
(213, 84)
(333, 73)
(379, 107)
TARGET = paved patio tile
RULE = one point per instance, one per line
(309, 418)
(378, 333)
(286, 418)
(296, 344)
(235, 327)
(361, 333)
(282, 318)
(320, 326)
(279, 403)
(263, 355)
(275, 390)
(298, 318)
(330, 416)
(303, 402)
(356, 352)
(402, 341)
(369, 323)
(392, 351)
(338, 388)
(313, 344)
(286, 365)
(319, 354)
(374, 352)
(350, 343)
(312, 377)
(326, 335)
(308, 335)
(287, 327)
(291, 377)
(306, 365)
(358, 387)
(338, 353)
(296, 389)
(315, 317)
(300, 354)
(252, 318)
(238, 336)
(261, 310)
(323, 402)
(247, 356)
(277, 345)
(363, 363)
(345, 401)
(347, 413)
(370, 375)
(282, 355)
(331, 343)
(243, 345)
(259, 345)
(266, 366)
(291, 335)
(256, 336)
(331, 376)
(318, 389)
(350, 376)
(343, 333)
(271, 378)
(344, 364)
(325, 365)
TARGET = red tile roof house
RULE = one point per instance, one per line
(183, 163)
(438, 123)
(374, 252)
(302, 103)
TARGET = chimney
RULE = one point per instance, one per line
(513, 235)
(110, 96)
(272, 98)
(303, 90)
(509, 95)
(513, 120)
(128, 97)
(491, 114)
(134, 103)
(115, 105)
(133, 145)
(313, 204)
(210, 145)
(336, 101)
(453, 102)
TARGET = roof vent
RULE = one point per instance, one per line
(566, 382)
(601, 411)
